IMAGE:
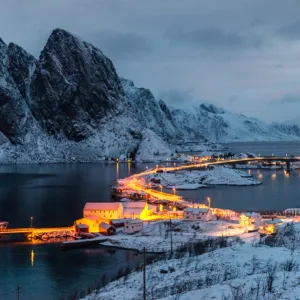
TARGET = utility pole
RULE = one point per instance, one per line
(171, 236)
(144, 274)
(18, 292)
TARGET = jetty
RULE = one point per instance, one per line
(83, 242)
(34, 231)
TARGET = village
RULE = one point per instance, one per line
(142, 214)
(138, 224)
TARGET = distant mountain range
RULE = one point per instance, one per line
(71, 105)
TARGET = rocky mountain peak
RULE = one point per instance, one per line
(21, 66)
(211, 108)
(2, 43)
(74, 86)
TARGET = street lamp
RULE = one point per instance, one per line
(31, 219)
(208, 200)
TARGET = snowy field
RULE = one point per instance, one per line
(193, 179)
(241, 271)
(155, 236)
(244, 270)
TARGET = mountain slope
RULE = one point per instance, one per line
(71, 105)
(216, 124)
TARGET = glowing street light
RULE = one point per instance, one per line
(208, 201)
(31, 219)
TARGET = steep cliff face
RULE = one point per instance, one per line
(15, 118)
(74, 86)
(149, 113)
(21, 66)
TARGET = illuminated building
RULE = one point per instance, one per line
(195, 214)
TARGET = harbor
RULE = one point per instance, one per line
(74, 185)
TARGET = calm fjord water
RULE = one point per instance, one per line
(55, 195)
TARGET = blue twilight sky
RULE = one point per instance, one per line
(243, 55)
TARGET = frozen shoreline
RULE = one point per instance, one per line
(195, 179)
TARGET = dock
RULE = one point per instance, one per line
(83, 242)
(34, 231)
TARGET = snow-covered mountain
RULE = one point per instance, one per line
(217, 124)
(71, 105)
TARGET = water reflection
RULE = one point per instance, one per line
(117, 170)
(32, 257)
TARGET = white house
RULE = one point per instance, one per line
(103, 210)
(136, 210)
(250, 220)
(117, 210)
(133, 226)
(270, 226)
(292, 211)
(194, 214)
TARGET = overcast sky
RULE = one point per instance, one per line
(243, 55)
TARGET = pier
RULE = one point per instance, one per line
(34, 231)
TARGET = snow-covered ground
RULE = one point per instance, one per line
(247, 268)
(241, 271)
(189, 179)
(155, 236)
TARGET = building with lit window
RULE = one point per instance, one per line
(198, 214)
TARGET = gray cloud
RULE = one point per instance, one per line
(279, 66)
(214, 38)
(290, 31)
(287, 99)
(177, 98)
(233, 99)
(120, 45)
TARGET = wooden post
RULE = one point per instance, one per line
(144, 274)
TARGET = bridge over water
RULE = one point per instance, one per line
(236, 161)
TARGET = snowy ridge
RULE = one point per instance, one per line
(217, 124)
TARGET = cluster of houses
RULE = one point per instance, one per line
(105, 217)
(253, 222)
(204, 213)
